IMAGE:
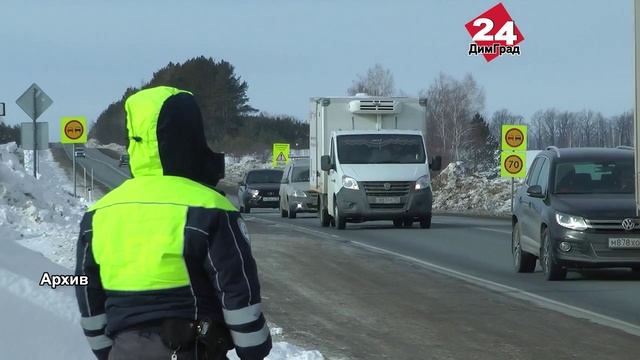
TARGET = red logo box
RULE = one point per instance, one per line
(494, 33)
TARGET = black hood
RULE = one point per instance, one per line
(166, 137)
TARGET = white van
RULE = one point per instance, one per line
(369, 160)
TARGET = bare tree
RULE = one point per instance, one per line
(564, 125)
(378, 81)
(451, 107)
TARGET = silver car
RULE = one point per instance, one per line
(295, 196)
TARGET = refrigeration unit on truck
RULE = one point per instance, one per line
(369, 160)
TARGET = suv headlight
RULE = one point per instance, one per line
(350, 183)
(423, 182)
(298, 193)
(253, 192)
(571, 222)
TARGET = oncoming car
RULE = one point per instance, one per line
(577, 210)
(295, 196)
(259, 189)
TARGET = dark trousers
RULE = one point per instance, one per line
(147, 345)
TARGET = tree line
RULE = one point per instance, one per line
(458, 131)
(9, 133)
(231, 124)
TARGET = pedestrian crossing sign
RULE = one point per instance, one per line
(280, 157)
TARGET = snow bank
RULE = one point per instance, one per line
(284, 350)
(457, 189)
(42, 214)
(237, 166)
(93, 143)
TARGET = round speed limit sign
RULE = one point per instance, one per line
(513, 164)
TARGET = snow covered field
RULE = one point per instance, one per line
(43, 217)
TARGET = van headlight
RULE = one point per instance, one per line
(350, 183)
(571, 222)
(423, 182)
(253, 192)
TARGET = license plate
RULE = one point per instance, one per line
(387, 200)
(624, 243)
(270, 198)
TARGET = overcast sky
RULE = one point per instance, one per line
(576, 54)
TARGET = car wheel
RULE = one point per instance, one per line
(340, 221)
(425, 223)
(397, 223)
(283, 212)
(247, 209)
(523, 262)
(292, 211)
(552, 270)
(407, 223)
(325, 219)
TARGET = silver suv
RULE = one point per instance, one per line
(295, 196)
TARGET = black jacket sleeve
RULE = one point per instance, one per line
(91, 297)
(233, 270)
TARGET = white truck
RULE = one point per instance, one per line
(369, 160)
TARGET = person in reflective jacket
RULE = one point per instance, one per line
(166, 252)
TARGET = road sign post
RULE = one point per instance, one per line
(513, 158)
(74, 168)
(34, 102)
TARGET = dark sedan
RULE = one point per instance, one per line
(577, 210)
(259, 189)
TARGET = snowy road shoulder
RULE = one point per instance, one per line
(39, 221)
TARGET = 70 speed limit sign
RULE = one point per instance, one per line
(513, 164)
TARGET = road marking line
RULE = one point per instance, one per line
(541, 301)
(508, 232)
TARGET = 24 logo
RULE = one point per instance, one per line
(494, 33)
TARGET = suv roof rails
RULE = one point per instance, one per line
(554, 148)
(624, 147)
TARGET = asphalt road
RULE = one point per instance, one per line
(473, 249)
(477, 250)
(105, 169)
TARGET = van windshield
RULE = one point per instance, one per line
(381, 149)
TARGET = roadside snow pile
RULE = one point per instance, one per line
(41, 214)
(93, 143)
(457, 189)
(237, 166)
(282, 350)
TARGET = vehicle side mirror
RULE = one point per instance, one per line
(325, 163)
(436, 163)
(535, 191)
